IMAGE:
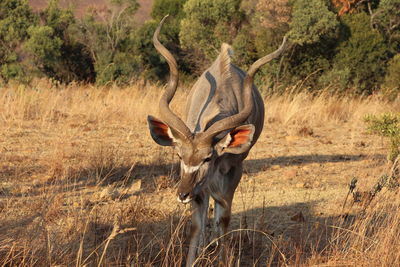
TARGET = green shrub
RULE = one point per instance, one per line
(387, 21)
(209, 23)
(107, 38)
(386, 125)
(13, 70)
(364, 52)
(16, 17)
(392, 78)
(150, 64)
(43, 44)
(311, 20)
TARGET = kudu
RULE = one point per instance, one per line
(224, 118)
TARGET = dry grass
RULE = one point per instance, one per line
(82, 183)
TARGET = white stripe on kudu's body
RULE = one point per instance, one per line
(224, 118)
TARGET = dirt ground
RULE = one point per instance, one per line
(67, 175)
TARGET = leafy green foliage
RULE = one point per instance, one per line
(387, 19)
(307, 63)
(270, 24)
(312, 38)
(15, 19)
(174, 8)
(386, 125)
(363, 52)
(129, 5)
(245, 47)
(392, 78)
(152, 65)
(356, 53)
(56, 18)
(44, 45)
(391, 86)
(55, 52)
(12, 70)
(209, 23)
(311, 20)
(106, 35)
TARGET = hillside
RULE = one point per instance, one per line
(80, 7)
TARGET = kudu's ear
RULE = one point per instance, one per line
(160, 132)
(236, 141)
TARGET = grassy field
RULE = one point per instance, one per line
(83, 184)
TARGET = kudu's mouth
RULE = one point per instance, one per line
(185, 200)
(185, 193)
(185, 197)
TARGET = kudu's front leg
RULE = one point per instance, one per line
(198, 228)
(223, 199)
(223, 204)
(222, 217)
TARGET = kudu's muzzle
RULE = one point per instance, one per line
(186, 189)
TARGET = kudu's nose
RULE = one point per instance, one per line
(183, 196)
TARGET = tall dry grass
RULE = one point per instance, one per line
(81, 183)
(46, 103)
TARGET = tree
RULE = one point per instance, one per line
(271, 23)
(363, 53)
(311, 20)
(312, 29)
(152, 65)
(56, 53)
(392, 78)
(387, 19)
(174, 8)
(209, 23)
(268, 26)
(105, 32)
(15, 18)
(44, 45)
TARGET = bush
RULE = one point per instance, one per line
(387, 20)
(386, 125)
(106, 35)
(364, 52)
(311, 20)
(392, 78)
(153, 66)
(15, 18)
(74, 62)
(209, 23)
(43, 44)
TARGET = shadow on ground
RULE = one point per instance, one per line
(253, 166)
(290, 233)
(271, 235)
(151, 174)
(77, 180)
